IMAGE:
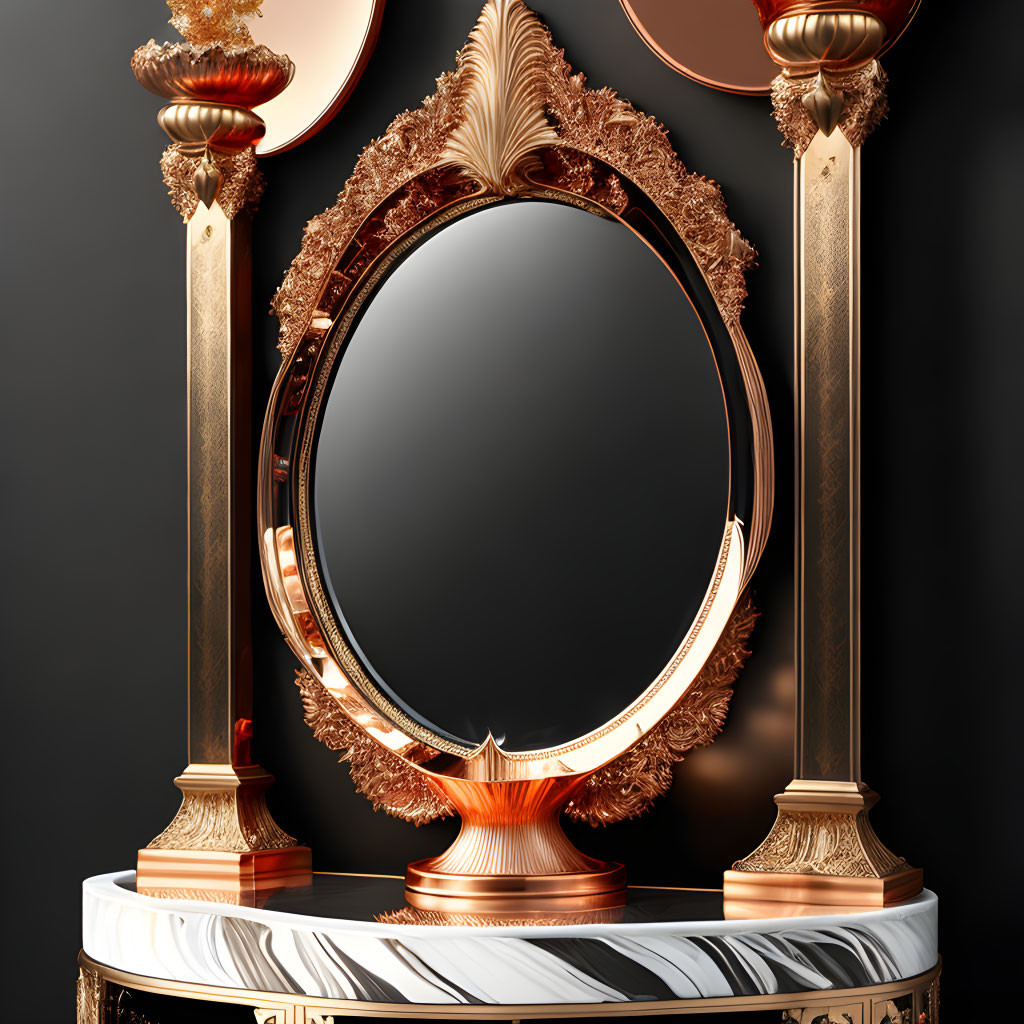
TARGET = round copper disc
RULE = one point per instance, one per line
(329, 42)
(715, 42)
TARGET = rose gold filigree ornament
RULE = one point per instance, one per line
(213, 81)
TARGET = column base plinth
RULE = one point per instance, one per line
(822, 890)
(823, 850)
(222, 876)
(223, 844)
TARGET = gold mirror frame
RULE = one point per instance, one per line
(511, 121)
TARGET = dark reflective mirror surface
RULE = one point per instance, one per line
(521, 478)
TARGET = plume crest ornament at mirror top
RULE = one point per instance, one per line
(501, 71)
(546, 105)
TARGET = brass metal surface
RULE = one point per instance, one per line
(219, 644)
(221, 62)
(822, 848)
(893, 15)
(538, 132)
(197, 127)
(806, 889)
(223, 838)
(511, 847)
(833, 40)
(240, 878)
(299, 1009)
(90, 993)
(828, 457)
(223, 842)
(223, 809)
(830, 75)
(212, 73)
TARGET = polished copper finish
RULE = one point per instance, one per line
(525, 897)
(214, 74)
(217, 876)
(717, 43)
(734, 909)
(803, 889)
(511, 846)
(623, 788)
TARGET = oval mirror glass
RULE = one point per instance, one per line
(521, 475)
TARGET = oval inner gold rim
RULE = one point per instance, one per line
(319, 603)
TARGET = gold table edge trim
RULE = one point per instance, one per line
(505, 1011)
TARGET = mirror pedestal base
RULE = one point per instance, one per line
(511, 851)
(823, 850)
(601, 888)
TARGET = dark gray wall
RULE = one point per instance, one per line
(93, 414)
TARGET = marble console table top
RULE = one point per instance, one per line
(324, 941)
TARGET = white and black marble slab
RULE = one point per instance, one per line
(669, 944)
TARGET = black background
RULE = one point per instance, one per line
(93, 624)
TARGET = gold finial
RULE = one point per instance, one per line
(206, 22)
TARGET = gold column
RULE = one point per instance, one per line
(822, 848)
(223, 841)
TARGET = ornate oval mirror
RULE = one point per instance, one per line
(516, 468)
(520, 489)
